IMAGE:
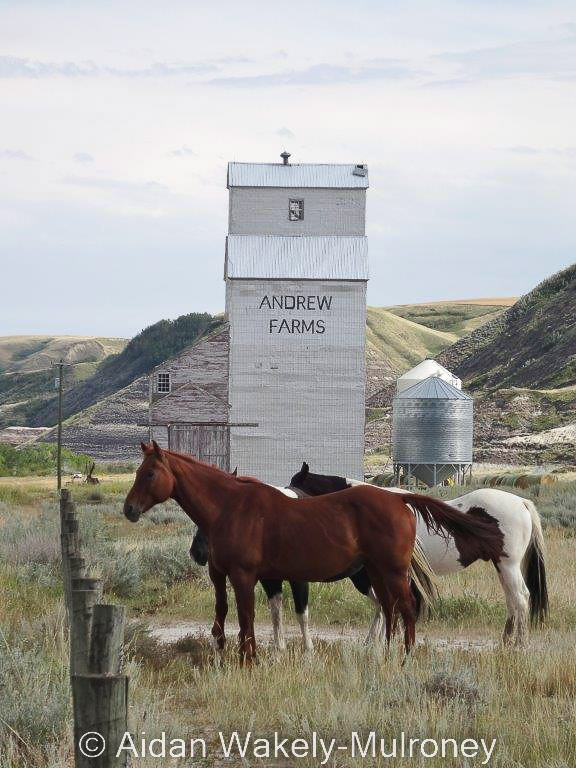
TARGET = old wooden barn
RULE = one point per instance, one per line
(283, 379)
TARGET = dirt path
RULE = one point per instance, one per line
(170, 633)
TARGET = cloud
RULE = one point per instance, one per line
(118, 184)
(183, 151)
(83, 157)
(553, 59)
(13, 67)
(321, 74)
(15, 154)
(522, 149)
(285, 133)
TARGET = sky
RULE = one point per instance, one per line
(117, 120)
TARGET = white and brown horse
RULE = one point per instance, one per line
(521, 568)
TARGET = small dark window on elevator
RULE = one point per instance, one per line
(296, 210)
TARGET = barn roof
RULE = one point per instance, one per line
(296, 257)
(321, 176)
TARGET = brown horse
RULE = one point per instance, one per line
(256, 532)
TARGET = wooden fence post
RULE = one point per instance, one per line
(107, 640)
(100, 720)
(85, 594)
(99, 689)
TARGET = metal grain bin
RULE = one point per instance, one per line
(432, 431)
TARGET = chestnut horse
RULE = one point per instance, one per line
(256, 532)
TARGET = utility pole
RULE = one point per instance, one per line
(59, 454)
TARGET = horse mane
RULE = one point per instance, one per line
(186, 458)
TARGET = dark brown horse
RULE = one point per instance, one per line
(255, 531)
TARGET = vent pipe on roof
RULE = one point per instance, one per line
(285, 155)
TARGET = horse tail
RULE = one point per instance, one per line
(534, 568)
(422, 580)
(476, 533)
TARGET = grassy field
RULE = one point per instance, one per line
(458, 683)
(454, 317)
(399, 341)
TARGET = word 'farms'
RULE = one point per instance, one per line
(296, 325)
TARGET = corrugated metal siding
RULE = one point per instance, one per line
(294, 175)
(432, 431)
(304, 390)
(297, 258)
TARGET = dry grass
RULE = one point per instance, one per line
(524, 699)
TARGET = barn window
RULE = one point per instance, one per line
(296, 210)
(163, 382)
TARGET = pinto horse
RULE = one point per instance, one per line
(256, 532)
(521, 567)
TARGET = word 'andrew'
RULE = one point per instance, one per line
(296, 302)
(296, 325)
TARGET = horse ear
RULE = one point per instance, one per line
(144, 447)
(305, 468)
(235, 473)
(157, 450)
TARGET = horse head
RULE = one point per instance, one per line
(317, 485)
(153, 485)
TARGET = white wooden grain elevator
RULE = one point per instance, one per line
(296, 271)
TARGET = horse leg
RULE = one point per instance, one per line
(243, 584)
(273, 589)
(300, 594)
(363, 584)
(376, 627)
(517, 601)
(219, 581)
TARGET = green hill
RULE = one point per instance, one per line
(150, 347)
(532, 344)
(457, 317)
(35, 353)
(394, 344)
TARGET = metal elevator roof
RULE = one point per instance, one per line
(433, 388)
(320, 176)
(296, 257)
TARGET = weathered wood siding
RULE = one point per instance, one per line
(199, 386)
(208, 443)
(264, 211)
(304, 389)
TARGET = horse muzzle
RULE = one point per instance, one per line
(131, 512)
